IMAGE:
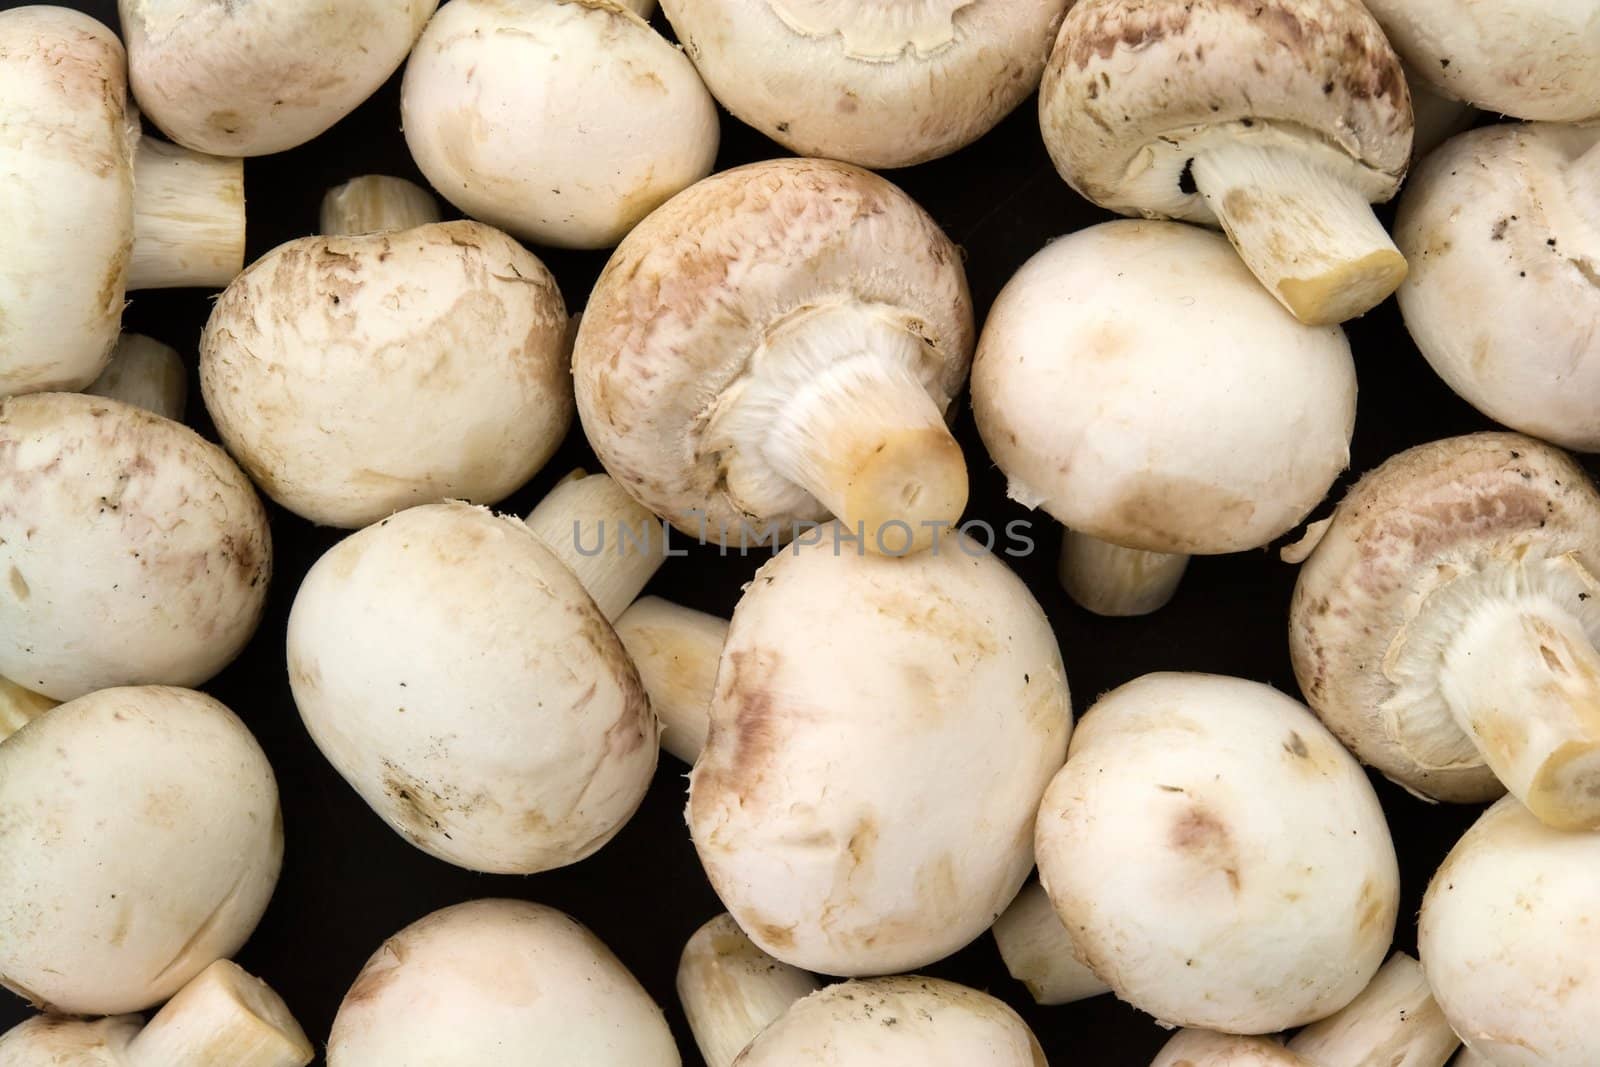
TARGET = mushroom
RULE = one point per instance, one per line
(501, 982)
(252, 79)
(881, 85)
(97, 210)
(781, 341)
(454, 668)
(1504, 218)
(222, 1016)
(375, 203)
(1038, 951)
(19, 707)
(865, 800)
(1534, 59)
(353, 376)
(147, 374)
(1217, 857)
(562, 123)
(884, 1021)
(1445, 625)
(1437, 118)
(175, 841)
(731, 990)
(1134, 382)
(676, 651)
(1280, 121)
(132, 551)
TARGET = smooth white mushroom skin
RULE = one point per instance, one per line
(463, 682)
(19, 707)
(1207, 1048)
(731, 990)
(1217, 857)
(865, 800)
(611, 544)
(188, 218)
(173, 812)
(1510, 944)
(1038, 951)
(498, 982)
(1395, 1021)
(356, 376)
(562, 123)
(1504, 217)
(897, 1022)
(1165, 403)
(132, 551)
(880, 85)
(375, 203)
(1118, 582)
(260, 77)
(676, 651)
(147, 374)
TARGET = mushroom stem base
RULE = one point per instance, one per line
(610, 542)
(1110, 580)
(19, 707)
(188, 218)
(1394, 1021)
(222, 1016)
(377, 203)
(1038, 951)
(676, 651)
(1308, 236)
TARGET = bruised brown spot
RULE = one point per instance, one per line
(1199, 834)
(1372, 907)
(1296, 746)
(19, 585)
(779, 937)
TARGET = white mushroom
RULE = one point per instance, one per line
(676, 651)
(731, 990)
(778, 342)
(142, 843)
(95, 209)
(19, 707)
(1134, 382)
(562, 123)
(255, 78)
(223, 1016)
(1446, 626)
(1280, 121)
(1038, 951)
(500, 982)
(132, 551)
(1510, 941)
(375, 203)
(1437, 118)
(1502, 221)
(147, 374)
(1217, 858)
(885, 84)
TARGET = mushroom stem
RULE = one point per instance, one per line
(1583, 181)
(731, 990)
(676, 651)
(19, 707)
(1394, 1021)
(222, 1016)
(377, 203)
(188, 218)
(1309, 237)
(147, 374)
(608, 540)
(1108, 579)
(1038, 952)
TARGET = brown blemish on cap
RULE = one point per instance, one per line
(1199, 834)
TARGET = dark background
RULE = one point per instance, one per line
(349, 882)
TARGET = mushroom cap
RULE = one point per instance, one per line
(562, 123)
(896, 1022)
(461, 680)
(253, 79)
(1218, 859)
(1137, 382)
(887, 84)
(1206, 1048)
(1414, 523)
(172, 813)
(66, 149)
(353, 377)
(865, 800)
(132, 551)
(689, 298)
(1534, 59)
(501, 982)
(1510, 944)
(1489, 221)
(47, 1040)
(1135, 87)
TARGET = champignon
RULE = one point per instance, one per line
(1505, 218)
(865, 799)
(897, 1022)
(731, 990)
(1217, 857)
(500, 982)
(676, 651)
(353, 376)
(252, 79)
(132, 551)
(1038, 951)
(881, 85)
(375, 203)
(147, 374)
(175, 836)
(1134, 382)
(1280, 121)
(1445, 625)
(457, 673)
(223, 1016)
(777, 342)
(1437, 118)
(562, 123)
(95, 209)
